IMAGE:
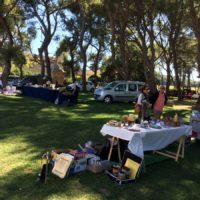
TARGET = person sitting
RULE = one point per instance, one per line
(65, 83)
(75, 93)
(64, 95)
(48, 83)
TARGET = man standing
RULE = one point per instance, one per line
(158, 100)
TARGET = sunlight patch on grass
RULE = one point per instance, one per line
(182, 107)
(16, 151)
(83, 106)
(75, 196)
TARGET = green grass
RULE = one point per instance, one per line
(30, 127)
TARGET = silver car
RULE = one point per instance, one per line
(118, 91)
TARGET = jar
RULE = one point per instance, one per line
(121, 175)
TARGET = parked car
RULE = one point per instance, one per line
(195, 96)
(13, 79)
(118, 91)
(34, 79)
(89, 86)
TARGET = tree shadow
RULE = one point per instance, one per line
(36, 127)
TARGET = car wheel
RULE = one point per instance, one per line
(108, 99)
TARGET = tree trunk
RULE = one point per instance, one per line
(96, 62)
(188, 79)
(198, 54)
(42, 64)
(83, 47)
(48, 63)
(196, 28)
(6, 72)
(198, 101)
(7, 68)
(168, 81)
(21, 71)
(144, 26)
(176, 70)
(72, 66)
(84, 57)
(111, 17)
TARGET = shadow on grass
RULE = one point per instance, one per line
(165, 180)
(36, 127)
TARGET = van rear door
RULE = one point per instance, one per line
(120, 92)
(133, 91)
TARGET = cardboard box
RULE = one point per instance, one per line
(99, 166)
(78, 166)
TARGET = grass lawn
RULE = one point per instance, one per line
(30, 127)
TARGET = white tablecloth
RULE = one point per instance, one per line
(195, 126)
(147, 139)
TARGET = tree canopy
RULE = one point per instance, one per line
(126, 39)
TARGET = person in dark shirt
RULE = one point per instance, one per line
(75, 93)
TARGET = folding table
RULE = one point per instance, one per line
(149, 139)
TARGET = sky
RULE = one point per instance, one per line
(35, 44)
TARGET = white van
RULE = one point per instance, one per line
(118, 91)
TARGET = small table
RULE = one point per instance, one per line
(149, 139)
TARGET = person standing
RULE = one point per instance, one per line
(1, 86)
(75, 93)
(158, 100)
(142, 104)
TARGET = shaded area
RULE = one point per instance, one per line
(30, 127)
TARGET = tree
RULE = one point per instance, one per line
(194, 14)
(46, 12)
(143, 30)
(11, 26)
(68, 45)
(119, 14)
(170, 29)
(100, 36)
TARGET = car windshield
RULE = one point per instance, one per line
(109, 86)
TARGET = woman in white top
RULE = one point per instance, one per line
(143, 103)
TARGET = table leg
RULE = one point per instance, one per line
(175, 155)
(118, 148)
(111, 148)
